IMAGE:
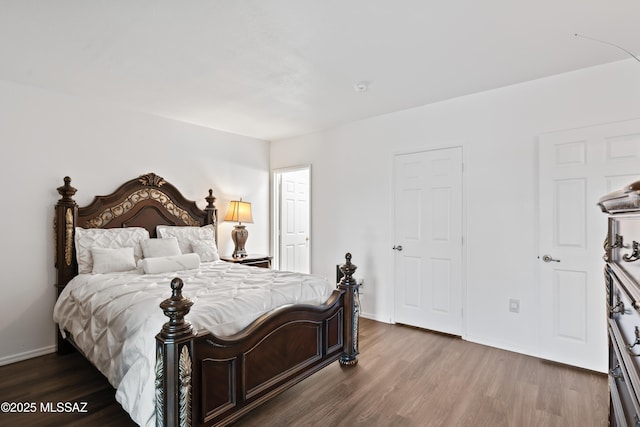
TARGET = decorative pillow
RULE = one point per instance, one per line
(160, 247)
(169, 264)
(111, 238)
(107, 260)
(186, 235)
(206, 249)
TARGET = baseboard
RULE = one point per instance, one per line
(532, 353)
(377, 319)
(7, 360)
(501, 345)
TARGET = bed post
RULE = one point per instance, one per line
(212, 214)
(64, 224)
(352, 312)
(210, 209)
(64, 220)
(174, 352)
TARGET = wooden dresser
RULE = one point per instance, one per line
(622, 279)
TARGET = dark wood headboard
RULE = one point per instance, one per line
(146, 201)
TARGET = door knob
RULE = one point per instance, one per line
(549, 258)
(397, 248)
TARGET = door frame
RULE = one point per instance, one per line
(463, 273)
(276, 175)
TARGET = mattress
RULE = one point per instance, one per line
(115, 317)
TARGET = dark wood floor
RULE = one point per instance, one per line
(406, 377)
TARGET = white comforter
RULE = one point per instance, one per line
(114, 318)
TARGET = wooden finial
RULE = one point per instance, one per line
(210, 199)
(347, 270)
(211, 209)
(67, 191)
(176, 308)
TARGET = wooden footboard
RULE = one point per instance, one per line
(206, 380)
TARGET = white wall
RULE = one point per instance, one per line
(352, 187)
(46, 136)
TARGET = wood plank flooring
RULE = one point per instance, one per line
(405, 377)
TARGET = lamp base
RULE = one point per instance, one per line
(239, 235)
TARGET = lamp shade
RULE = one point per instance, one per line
(239, 211)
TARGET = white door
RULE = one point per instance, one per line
(428, 239)
(576, 168)
(294, 221)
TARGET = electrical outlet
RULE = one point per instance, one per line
(514, 305)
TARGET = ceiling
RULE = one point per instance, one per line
(273, 69)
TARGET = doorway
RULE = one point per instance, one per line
(576, 168)
(291, 219)
(428, 239)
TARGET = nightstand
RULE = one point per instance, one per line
(263, 261)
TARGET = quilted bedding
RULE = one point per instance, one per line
(115, 317)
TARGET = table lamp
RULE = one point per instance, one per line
(239, 212)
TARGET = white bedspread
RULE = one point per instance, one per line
(114, 318)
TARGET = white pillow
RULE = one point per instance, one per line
(112, 238)
(186, 235)
(160, 247)
(170, 264)
(107, 260)
(206, 249)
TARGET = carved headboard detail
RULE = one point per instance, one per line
(146, 201)
(111, 213)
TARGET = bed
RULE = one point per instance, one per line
(235, 336)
